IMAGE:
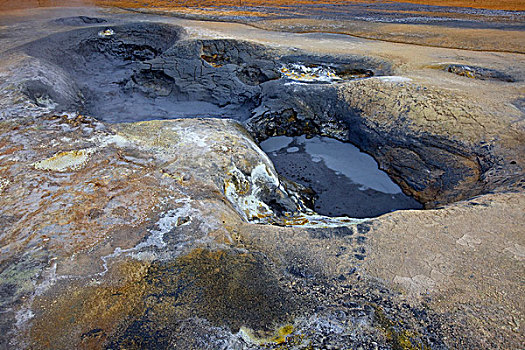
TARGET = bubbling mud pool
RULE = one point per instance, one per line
(347, 182)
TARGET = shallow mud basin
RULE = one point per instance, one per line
(347, 182)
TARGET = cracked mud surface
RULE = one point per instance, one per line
(117, 231)
(118, 76)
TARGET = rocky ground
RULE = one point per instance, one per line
(138, 211)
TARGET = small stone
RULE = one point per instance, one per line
(183, 220)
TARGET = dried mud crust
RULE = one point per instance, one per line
(173, 264)
(487, 231)
(178, 260)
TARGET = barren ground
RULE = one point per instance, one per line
(118, 231)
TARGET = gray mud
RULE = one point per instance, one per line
(480, 73)
(145, 71)
(201, 300)
(346, 181)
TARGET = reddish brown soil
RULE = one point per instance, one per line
(514, 5)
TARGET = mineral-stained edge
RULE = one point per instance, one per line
(243, 194)
(64, 161)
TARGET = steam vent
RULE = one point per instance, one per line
(242, 175)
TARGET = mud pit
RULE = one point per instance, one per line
(346, 181)
(144, 71)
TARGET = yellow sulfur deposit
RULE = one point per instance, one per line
(278, 337)
(63, 161)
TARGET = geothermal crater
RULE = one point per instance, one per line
(144, 71)
(117, 234)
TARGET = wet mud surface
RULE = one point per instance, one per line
(144, 71)
(363, 191)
